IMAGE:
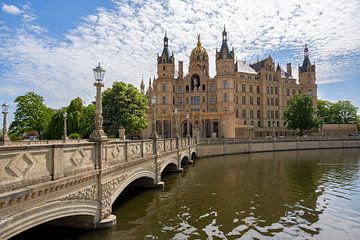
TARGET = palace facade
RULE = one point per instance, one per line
(241, 100)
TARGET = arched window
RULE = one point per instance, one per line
(187, 88)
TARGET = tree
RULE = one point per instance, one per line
(88, 121)
(55, 128)
(323, 111)
(124, 106)
(358, 123)
(300, 114)
(31, 114)
(75, 115)
(343, 112)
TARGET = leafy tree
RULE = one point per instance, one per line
(323, 111)
(75, 115)
(55, 128)
(300, 114)
(343, 112)
(31, 114)
(358, 123)
(88, 120)
(124, 105)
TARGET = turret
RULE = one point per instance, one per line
(181, 70)
(166, 61)
(288, 69)
(225, 58)
(307, 76)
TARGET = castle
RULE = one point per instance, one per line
(241, 100)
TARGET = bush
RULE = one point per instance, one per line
(14, 137)
(74, 136)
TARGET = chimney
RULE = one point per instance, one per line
(181, 71)
(288, 69)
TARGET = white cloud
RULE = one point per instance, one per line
(127, 39)
(10, 9)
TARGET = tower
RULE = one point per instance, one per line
(225, 85)
(166, 62)
(307, 76)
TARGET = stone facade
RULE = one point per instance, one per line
(238, 96)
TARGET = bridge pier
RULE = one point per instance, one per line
(108, 222)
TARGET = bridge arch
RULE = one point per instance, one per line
(146, 175)
(170, 164)
(27, 219)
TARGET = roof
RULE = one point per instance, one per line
(242, 66)
(306, 63)
(256, 66)
(165, 52)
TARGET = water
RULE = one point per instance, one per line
(282, 195)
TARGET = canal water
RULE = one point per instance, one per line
(282, 195)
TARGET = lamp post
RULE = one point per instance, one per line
(153, 103)
(98, 134)
(65, 137)
(5, 137)
(187, 125)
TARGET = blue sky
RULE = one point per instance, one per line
(50, 47)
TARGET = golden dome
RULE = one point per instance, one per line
(199, 53)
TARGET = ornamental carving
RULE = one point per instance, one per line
(117, 152)
(20, 165)
(89, 193)
(108, 189)
(77, 157)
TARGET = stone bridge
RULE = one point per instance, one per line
(77, 183)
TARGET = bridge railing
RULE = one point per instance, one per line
(25, 165)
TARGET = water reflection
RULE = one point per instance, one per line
(281, 195)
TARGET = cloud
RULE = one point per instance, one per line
(127, 38)
(11, 9)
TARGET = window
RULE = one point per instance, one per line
(268, 89)
(258, 89)
(163, 100)
(212, 100)
(287, 92)
(163, 86)
(251, 88)
(187, 88)
(226, 85)
(258, 114)
(277, 114)
(204, 101)
(251, 101)
(236, 87)
(243, 113)
(237, 113)
(173, 100)
(225, 97)
(276, 90)
(268, 101)
(243, 88)
(258, 101)
(211, 87)
(179, 89)
(237, 99)
(241, 76)
(272, 102)
(268, 113)
(272, 114)
(276, 102)
(251, 113)
(243, 100)
(164, 68)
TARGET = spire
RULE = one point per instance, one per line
(224, 34)
(306, 51)
(142, 85)
(278, 69)
(150, 83)
(199, 41)
(166, 40)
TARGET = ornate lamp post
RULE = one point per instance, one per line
(65, 137)
(5, 108)
(98, 134)
(153, 104)
(187, 125)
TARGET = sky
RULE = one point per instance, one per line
(50, 47)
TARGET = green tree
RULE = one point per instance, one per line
(55, 128)
(343, 112)
(75, 115)
(323, 111)
(358, 123)
(300, 114)
(88, 121)
(31, 114)
(124, 105)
